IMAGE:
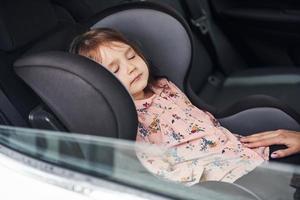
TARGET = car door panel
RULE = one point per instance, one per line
(266, 33)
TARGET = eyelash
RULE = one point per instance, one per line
(116, 70)
(132, 57)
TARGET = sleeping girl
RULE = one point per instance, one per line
(195, 147)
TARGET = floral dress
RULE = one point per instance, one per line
(193, 145)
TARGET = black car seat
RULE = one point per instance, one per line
(84, 96)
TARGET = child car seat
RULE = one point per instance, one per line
(84, 96)
(165, 38)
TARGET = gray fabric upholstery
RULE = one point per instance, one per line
(259, 119)
(282, 84)
(268, 182)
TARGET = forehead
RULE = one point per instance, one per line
(117, 46)
(109, 50)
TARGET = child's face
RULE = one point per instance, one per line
(127, 65)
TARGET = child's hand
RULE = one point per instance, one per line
(291, 139)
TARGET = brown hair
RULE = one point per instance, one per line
(87, 44)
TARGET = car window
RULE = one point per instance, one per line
(115, 160)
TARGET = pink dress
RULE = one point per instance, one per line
(193, 146)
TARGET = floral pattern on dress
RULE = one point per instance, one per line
(198, 147)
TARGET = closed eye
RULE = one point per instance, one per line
(131, 57)
(116, 70)
(130, 53)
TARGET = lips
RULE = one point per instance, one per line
(136, 78)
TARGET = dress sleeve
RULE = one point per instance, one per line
(213, 119)
(177, 95)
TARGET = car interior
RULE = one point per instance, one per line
(237, 60)
(262, 95)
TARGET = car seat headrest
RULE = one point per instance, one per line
(162, 34)
(82, 94)
(19, 23)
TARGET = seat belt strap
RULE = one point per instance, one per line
(200, 18)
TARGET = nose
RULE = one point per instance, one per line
(130, 68)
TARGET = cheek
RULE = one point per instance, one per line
(146, 72)
(143, 66)
(123, 80)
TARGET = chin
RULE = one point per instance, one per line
(139, 87)
(143, 85)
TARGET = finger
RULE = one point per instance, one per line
(258, 137)
(261, 134)
(283, 153)
(264, 142)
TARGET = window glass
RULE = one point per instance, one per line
(116, 160)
